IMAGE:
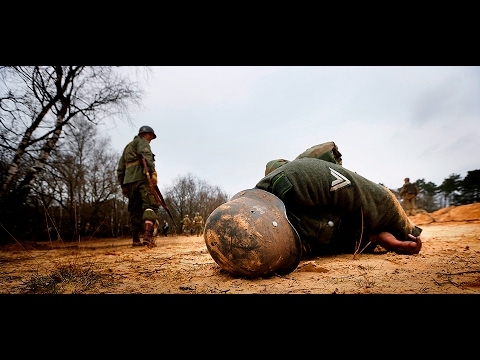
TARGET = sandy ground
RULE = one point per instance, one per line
(449, 263)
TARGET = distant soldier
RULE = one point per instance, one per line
(186, 225)
(198, 224)
(409, 193)
(165, 228)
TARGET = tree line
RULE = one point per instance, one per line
(77, 194)
(58, 175)
(453, 191)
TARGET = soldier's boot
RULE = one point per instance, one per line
(136, 239)
(148, 234)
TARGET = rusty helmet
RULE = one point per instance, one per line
(251, 236)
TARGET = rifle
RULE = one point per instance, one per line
(156, 191)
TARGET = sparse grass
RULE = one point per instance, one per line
(366, 281)
(67, 279)
(366, 267)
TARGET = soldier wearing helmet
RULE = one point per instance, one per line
(147, 129)
(327, 210)
(198, 224)
(409, 192)
(133, 180)
(186, 225)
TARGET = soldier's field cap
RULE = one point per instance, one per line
(274, 164)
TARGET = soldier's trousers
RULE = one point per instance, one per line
(141, 205)
(409, 204)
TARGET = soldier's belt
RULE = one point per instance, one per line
(136, 162)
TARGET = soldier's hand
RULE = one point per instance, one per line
(125, 191)
(406, 247)
(154, 178)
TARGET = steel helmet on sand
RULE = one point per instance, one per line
(251, 236)
(146, 129)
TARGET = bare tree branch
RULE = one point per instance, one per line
(36, 103)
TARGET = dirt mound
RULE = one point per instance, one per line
(470, 212)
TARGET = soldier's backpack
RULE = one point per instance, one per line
(327, 151)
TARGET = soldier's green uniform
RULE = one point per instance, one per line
(198, 224)
(327, 204)
(409, 193)
(142, 204)
(186, 225)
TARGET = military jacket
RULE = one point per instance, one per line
(198, 220)
(334, 209)
(187, 222)
(130, 165)
(408, 188)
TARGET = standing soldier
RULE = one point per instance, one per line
(165, 228)
(409, 194)
(132, 177)
(198, 224)
(186, 225)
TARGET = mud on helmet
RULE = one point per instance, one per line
(251, 236)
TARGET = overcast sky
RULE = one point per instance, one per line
(222, 124)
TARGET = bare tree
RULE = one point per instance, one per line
(189, 195)
(80, 178)
(182, 195)
(37, 105)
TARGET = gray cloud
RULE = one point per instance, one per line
(223, 124)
